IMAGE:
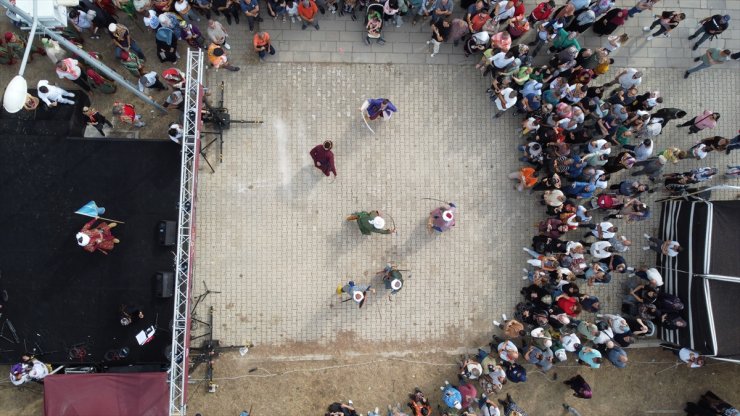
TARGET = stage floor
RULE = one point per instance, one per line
(60, 295)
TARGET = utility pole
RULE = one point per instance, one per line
(82, 54)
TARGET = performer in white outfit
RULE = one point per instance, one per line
(53, 95)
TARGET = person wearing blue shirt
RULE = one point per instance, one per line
(590, 357)
(579, 190)
(379, 107)
(575, 169)
(616, 355)
(251, 8)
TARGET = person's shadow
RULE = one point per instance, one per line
(417, 238)
(300, 186)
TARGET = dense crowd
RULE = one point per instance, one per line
(589, 150)
(586, 146)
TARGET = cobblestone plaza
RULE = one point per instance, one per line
(271, 231)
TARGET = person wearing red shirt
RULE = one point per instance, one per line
(569, 305)
(323, 158)
(478, 20)
(127, 114)
(542, 11)
(308, 12)
(97, 238)
(262, 45)
(519, 8)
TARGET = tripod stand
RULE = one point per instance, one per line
(13, 333)
(674, 366)
(198, 299)
(221, 120)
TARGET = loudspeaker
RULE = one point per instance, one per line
(167, 233)
(164, 284)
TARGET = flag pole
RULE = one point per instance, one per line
(108, 219)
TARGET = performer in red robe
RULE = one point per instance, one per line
(98, 237)
(323, 158)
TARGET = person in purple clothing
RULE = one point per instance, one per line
(443, 218)
(380, 107)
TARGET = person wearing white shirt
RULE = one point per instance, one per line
(503, 10)
(600, 147)
(569, 342)
(667, 248)
(150, 80)
(505, 99)
(579, 4)
(599, 179)
(699, 151)
(614, 42)
(629, 78)
(653, 128)
(38, 371)
(175, 133)
(583, 214)
(643, 151)
(30, 370)
(151, 20)
(83, 21)
(53, 95)
(488, 407)
(182, 7)
(603, 231)
(690, 357)
(601, 249)
(617, 324)
(70, 69)
(502, 59)
(604, 336)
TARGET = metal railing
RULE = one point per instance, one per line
(186, 233)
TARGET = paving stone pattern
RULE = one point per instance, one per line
(340, 40)
(271, 229)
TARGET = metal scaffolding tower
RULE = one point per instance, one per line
(192, 127)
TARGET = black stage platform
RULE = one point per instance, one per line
(63, 120)
(60, 295)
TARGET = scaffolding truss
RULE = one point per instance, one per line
(192, 127)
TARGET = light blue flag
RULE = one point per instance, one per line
(90, 209)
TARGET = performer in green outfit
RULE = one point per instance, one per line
(370, 222)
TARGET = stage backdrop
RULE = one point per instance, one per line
(141, 394)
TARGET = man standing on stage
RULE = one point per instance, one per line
(323, 158)
(53, 95)
(379, 107)
(98, 237)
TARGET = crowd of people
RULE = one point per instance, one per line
(586, 146)
(492, 29)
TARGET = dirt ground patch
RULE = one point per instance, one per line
(307, 387)
(303, 387)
